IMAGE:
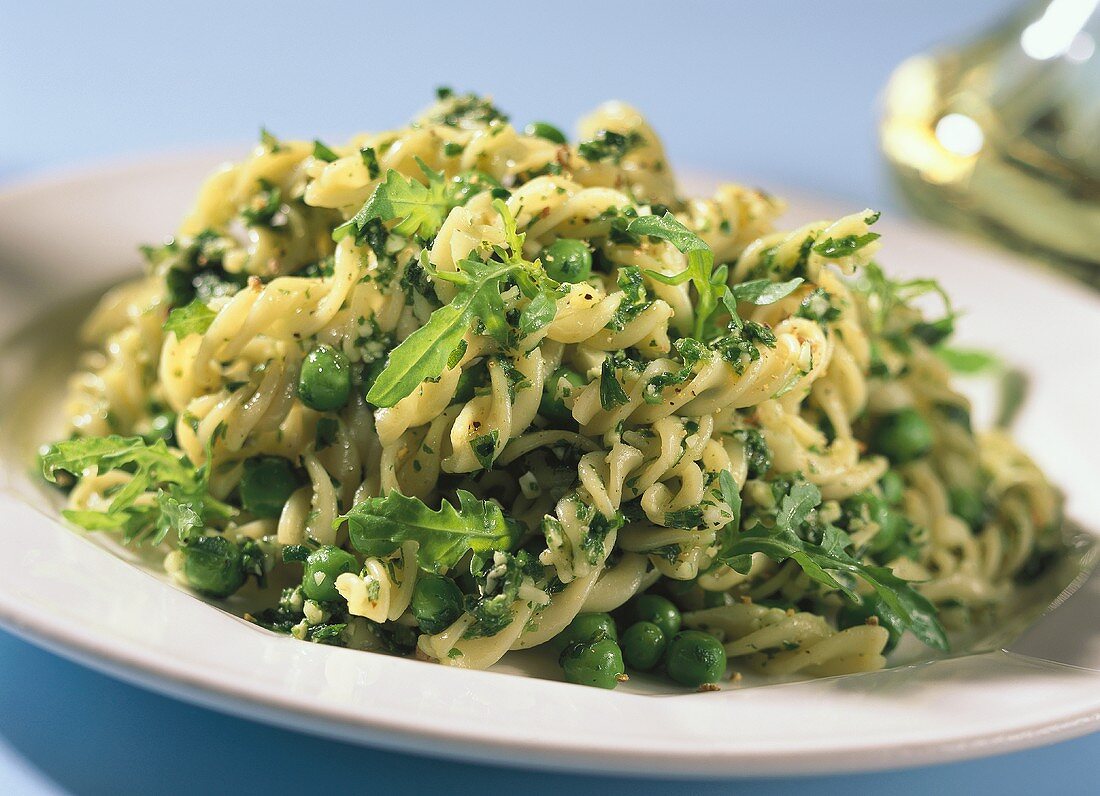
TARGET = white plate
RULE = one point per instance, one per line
(68, 237)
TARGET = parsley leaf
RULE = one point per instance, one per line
(378, 526)
(607, 145)
(611, 392)
(193, 318)
(499, 578)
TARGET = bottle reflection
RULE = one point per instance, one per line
(1002, 134)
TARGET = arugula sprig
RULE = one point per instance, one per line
(182, 502)
(379, 525)
(826, 561)
(419, 209)
(426, 352)
(710, 283)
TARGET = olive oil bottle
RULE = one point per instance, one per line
(1002, 135)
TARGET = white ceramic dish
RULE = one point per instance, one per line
(67, 237)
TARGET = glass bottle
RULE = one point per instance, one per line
(1002, 134)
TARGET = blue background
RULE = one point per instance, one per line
(774, 93)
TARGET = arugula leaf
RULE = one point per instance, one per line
(182, 502)
(764, 291)
(378, 526)
(845, 246)
(193, 318)
(425, 353)
(539, 313)
(418, 209)
(829, 564)
(968, 360)
(709, 283)
(422, 355)
(731, 495)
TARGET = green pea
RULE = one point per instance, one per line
(325, 381)
(323, 567)
(658, 610)
(567, 260)
(967, 505)
(902, 436)
(893, 487)
(586, 628)
(436, 602)
(552, 407)
(212, 565)
(695, 658)
(267, 485)
(545, 130)
(598, 664)
(856, 614)
(643, 645)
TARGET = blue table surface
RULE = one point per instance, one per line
(780, 93)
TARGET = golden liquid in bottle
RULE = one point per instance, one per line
(1002, 136)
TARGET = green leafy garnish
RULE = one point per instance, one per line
(969, 360)
(764, 291)
(193, 318)
(731, 495)
(322, 152)
(181, 501)
(827, 562)
(835, 248)
(370, 160)
(424, 354)
(417, 209)
(611, 392)
(378, 526)
(499, 578)
(709, 282)
(609, 146)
